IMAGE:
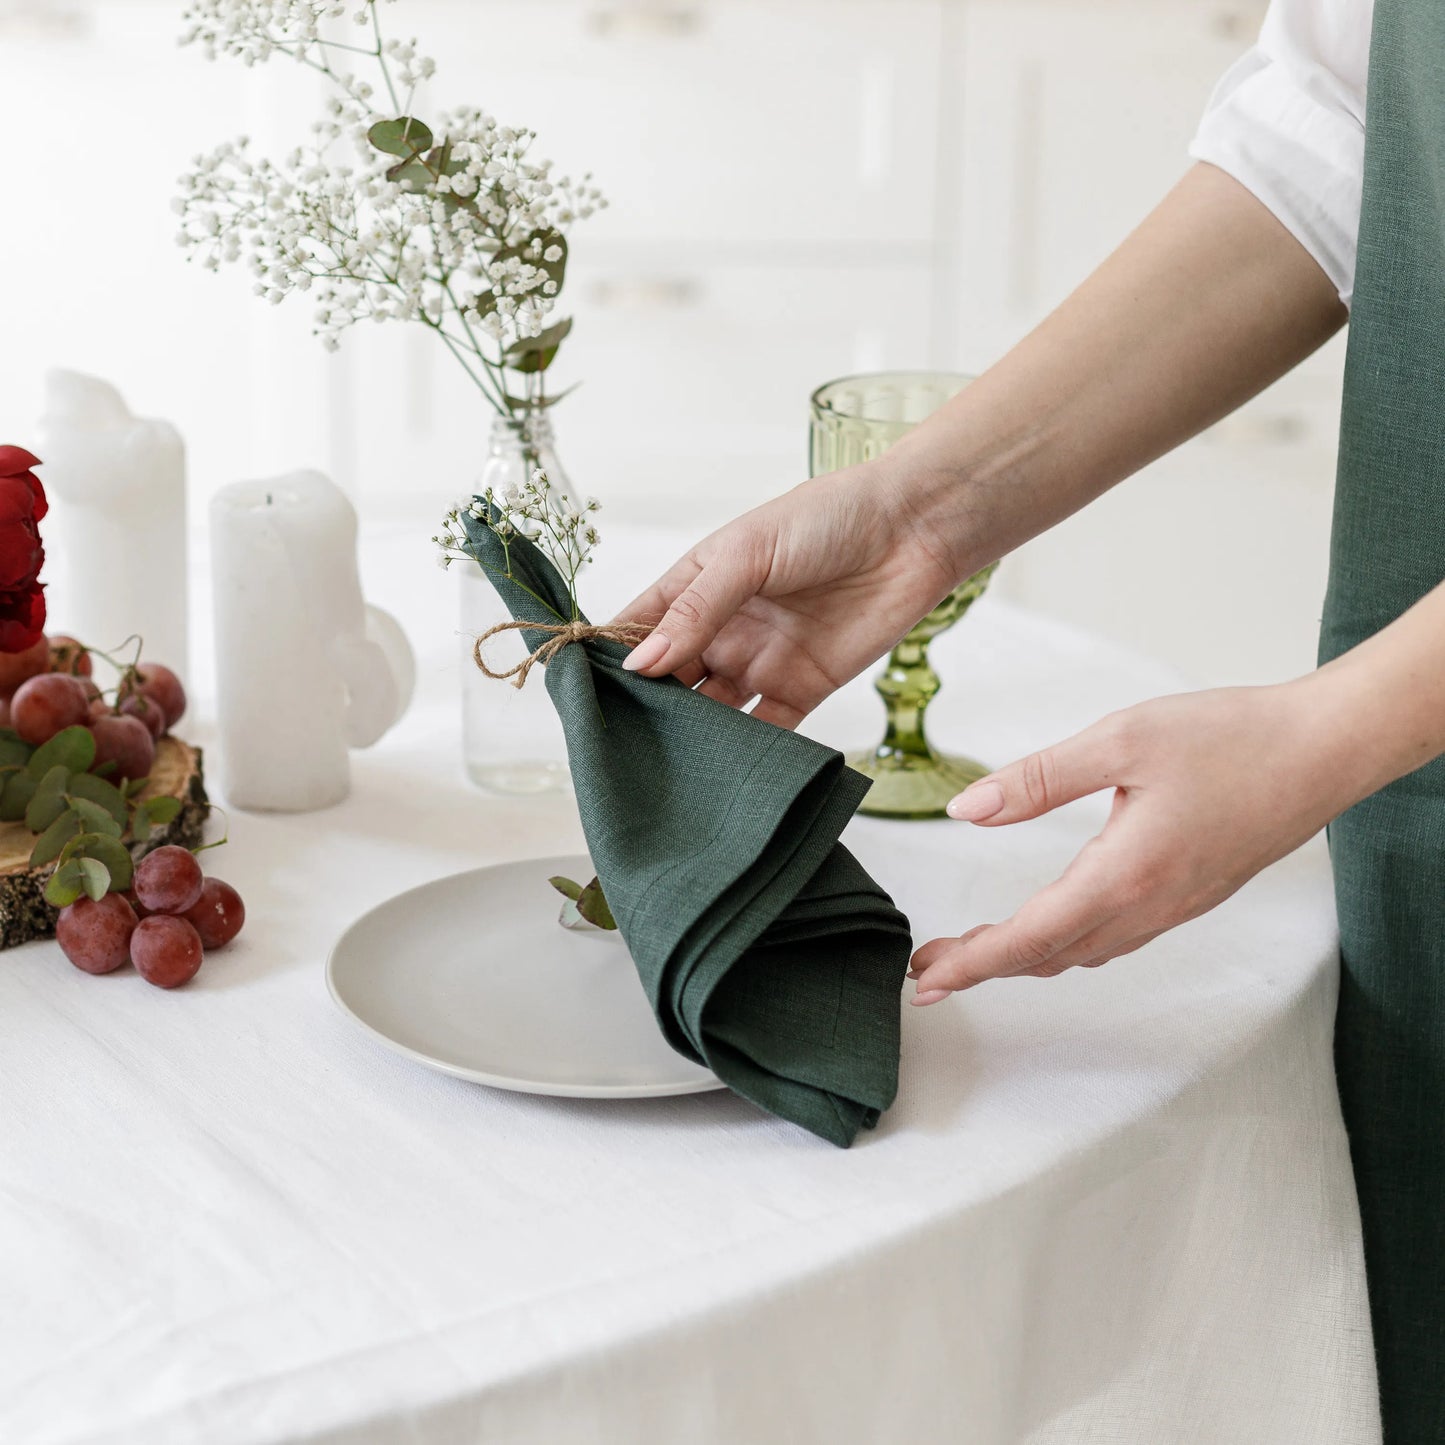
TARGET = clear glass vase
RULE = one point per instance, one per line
(512, 742)
(854, 420)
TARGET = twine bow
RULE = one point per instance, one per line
(563, 633)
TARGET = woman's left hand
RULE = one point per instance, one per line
(1210, 788)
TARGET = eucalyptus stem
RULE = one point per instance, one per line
(381, 54)
(456, 351)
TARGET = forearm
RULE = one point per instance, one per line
(1206, 304)
(1384, 701)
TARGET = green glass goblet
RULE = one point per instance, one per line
(856, 419)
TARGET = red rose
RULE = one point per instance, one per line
(20, 551)
(17, 462)
(22, 617)
(22, 596)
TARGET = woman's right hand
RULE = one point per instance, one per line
(791, 600)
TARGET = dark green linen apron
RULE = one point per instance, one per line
(1388, 551)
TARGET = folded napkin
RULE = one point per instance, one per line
(768, 953)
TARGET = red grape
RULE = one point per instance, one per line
(4, 712)
(18, 667)
(141, 911)
(147, 709)
(95, 936)
(166, 951)
(218, 914)
(169, 880)
(165, 687)
(44, 705)
(124, 741)
(69, 656)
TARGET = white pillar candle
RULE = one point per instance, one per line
(305, 669)
(115, 539)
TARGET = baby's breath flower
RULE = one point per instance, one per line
(471, 250)
(541, 513)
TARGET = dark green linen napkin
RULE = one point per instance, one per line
(768, 953)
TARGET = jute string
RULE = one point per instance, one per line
(563, 633)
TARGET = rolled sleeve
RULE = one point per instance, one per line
(1292, 132)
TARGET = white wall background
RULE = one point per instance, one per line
(800, 188)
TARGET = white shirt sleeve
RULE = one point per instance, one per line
(1288, 122)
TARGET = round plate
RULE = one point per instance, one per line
(473, 975)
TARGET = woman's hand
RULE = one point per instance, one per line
(790, 601)
(1210, 788)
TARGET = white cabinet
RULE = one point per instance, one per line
(800, 188)
(765, 124)
(1076, 120)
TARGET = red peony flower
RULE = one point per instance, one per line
(22, 595)
(17, 462)
(22, 617)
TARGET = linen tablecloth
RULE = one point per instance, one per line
(1115, 1206)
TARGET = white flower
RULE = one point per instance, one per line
(327, 220)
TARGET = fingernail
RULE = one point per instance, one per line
(974, 804)
(934, 995)
(648, 651)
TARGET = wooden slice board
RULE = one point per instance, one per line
(24, 913)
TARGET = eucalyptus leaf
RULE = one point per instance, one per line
(65, 885)
(524, 403)
(548, 340)
(411, 175)
(73, 747)
(536, 353)
(99, 790)
(154, 813)
(533, 362)
(442, 161)
(403, 136)
(587, 912)
(533, 250)
(164, 809)
(484, 303)
(19, 789)
(454, 202)
(95, 877)
(104, 849)
(556, 270)
(566, 887)
(592, 905)
(51, 843)
(15, 752)
(95, 818)
(49, 801)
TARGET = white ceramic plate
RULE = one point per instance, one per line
(473, 975)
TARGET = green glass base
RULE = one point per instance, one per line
(907, 785)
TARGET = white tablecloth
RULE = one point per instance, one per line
(1112, 1207)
